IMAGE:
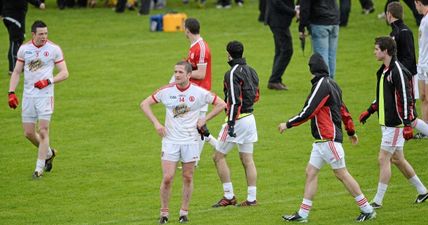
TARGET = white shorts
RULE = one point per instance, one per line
(392, 139)
(39, 108)
(327, 152)
(184, 152)
(246, 133)
(415, 81)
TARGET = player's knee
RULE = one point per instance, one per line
(29, 134)
(43, 132)
(217, 157)
(167, 179)
(187, 178)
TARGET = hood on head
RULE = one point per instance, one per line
(318, 66)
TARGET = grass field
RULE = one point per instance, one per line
(108, 167)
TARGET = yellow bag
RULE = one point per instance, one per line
(174, 22)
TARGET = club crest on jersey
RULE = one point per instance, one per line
(180, 110)
(46, 53)
(34, 65)
(192, 98)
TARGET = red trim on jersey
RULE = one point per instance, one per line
(215, 99)
(60, 61)
(183, 89)
(154, 99)
(18, 59)
(39, 46)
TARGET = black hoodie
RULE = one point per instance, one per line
(324, 106)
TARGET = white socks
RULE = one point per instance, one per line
(228, 190)
(305, 207)
(252, 192)
(40, 165)
(418, 184)
(363, 204)
(381, 189)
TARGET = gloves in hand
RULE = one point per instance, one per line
(13, 100)
(42, 83)
(203, 131)
(408, 132)
(364, 116)
(231, 128)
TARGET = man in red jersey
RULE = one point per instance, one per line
(200, 59)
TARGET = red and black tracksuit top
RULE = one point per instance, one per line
(241, 89)
(324, 106)
(394, 95)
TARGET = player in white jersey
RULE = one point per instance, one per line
(422, 7)
(183, 101)
(37, 59)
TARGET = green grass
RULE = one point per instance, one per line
(108, 168)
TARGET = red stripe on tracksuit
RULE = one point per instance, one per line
(224, 134)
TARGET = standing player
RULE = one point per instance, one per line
(394, 106)
(241, 90)
(326, 109)
(200, 59)
(183, 101)
(422, 7)
(38, 58)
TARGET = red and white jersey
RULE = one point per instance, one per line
(200, 54)
(182, 111)
(39, 62)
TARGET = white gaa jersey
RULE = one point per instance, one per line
(423, 46)
(39, 63)
(182, 111)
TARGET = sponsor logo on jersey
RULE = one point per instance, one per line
(28, 52)
(180, 110)
(34, 65)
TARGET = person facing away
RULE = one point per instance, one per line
(279, 14)
(241, 90)
(403, 38)
(395, 113)
(321, 18)
(13, 13)
(326, 110)
(183, 101)
(37, 58)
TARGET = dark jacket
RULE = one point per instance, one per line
(318, 12)
(241, 89)
(324, 106)
(17, 8)
(279, 13)
(403, 36)
(398, 108)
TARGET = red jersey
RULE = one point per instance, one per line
(200, 54)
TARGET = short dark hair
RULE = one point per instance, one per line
(386, 43)
(395, 9)
(235, 49)
(187, 66)
(37, 24)
(424, 2)
(192, 25)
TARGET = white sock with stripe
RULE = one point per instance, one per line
(164, 212)
(305, 207)
(381, 189)
(421, 126)
(228, 190)
(418, 184)
(363, 204)
(184, 212)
